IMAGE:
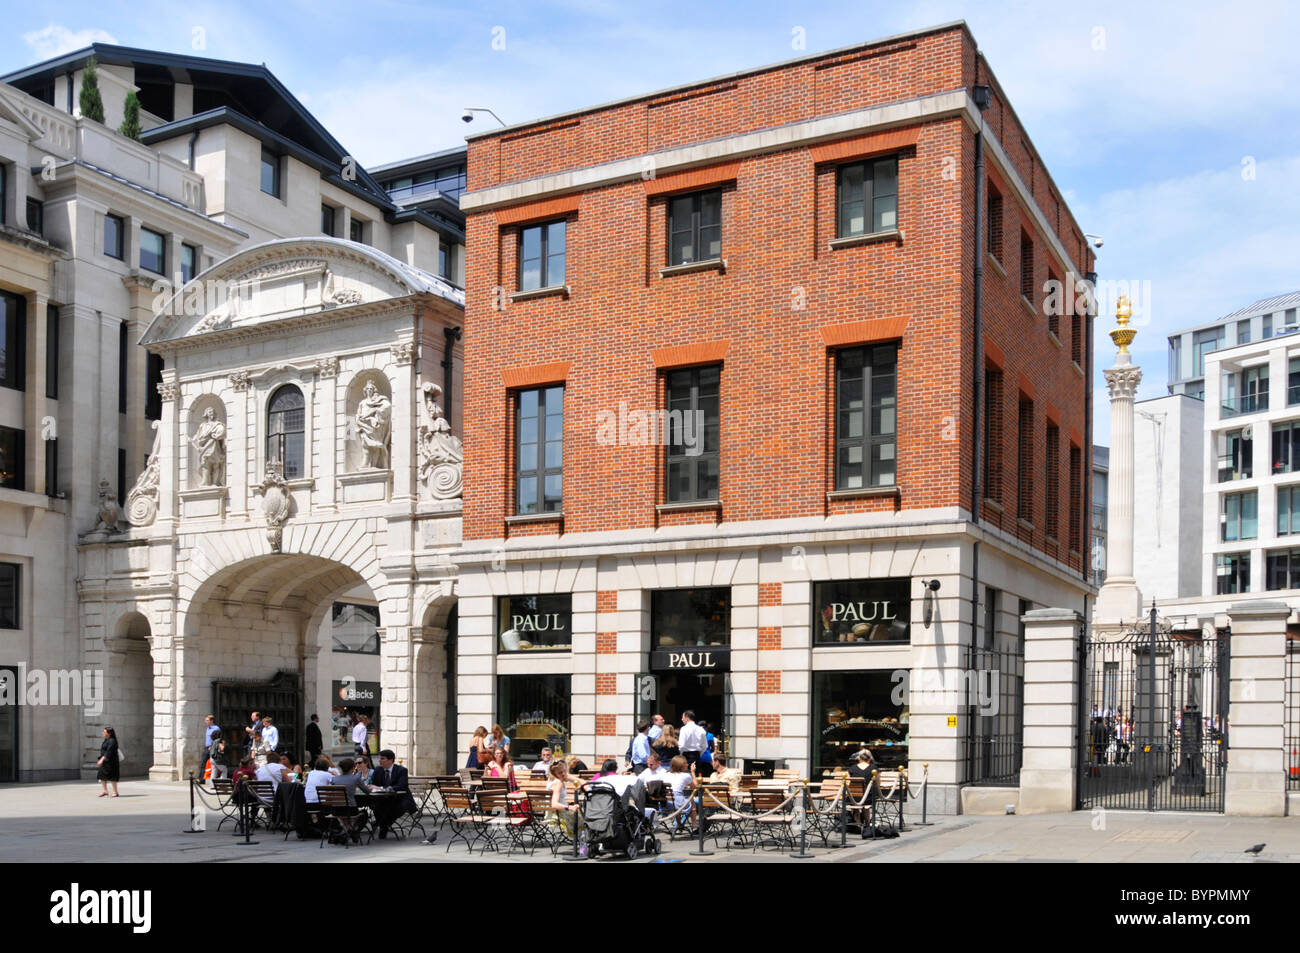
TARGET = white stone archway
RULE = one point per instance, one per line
(236, 576)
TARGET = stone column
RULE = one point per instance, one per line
(1119, 600)
(327, 390)
(1256, 783)
(35, 386)
(395, 691)
(1049, 773)
(241, 447)
(168, 454)
(168, 743)
(428, 700)
(405, 419)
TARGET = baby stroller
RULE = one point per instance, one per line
(617, 822)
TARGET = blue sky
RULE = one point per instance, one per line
(1171, 128)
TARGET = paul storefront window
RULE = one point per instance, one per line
(862, 610)
(527, 623)
(680, 617)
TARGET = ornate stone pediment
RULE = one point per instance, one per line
(284, 279)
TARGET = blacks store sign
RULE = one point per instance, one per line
(359, 694)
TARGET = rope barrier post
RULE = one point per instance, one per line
(804, 853)
(202, 829)
(875, 787)
(699, 821)
(925, 791)
(246, 816)
(843, 816)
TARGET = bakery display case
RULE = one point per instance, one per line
(855, 710)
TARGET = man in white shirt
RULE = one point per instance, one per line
(654, 768)
(315, 778)
(545, 763)
(656, 727)
(359, 732)
(270, 734)
(272, 771)
(692, 741)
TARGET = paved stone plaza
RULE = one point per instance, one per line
(65, 822)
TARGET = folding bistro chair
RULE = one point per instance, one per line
(771, 816)
(229, 807)
(406, 824)
(463, 816)
(890, 796)
(334, 808)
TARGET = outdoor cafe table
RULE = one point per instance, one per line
(386, 805)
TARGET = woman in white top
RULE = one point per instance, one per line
(680, 782)
(315, 778)
(558, 786)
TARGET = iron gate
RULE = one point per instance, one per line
(1153, 720)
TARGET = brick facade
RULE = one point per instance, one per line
(783, 305)
(772, 313)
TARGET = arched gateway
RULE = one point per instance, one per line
(288, 538)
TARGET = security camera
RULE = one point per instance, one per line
(1098, 243)
(467, 116)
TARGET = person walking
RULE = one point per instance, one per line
(217, 755)
(110, 765)
(270, 735)
(640, 750)
(254, 728)
(360, 731)
(478, 749)
(211, 731)
(692, 741)
(315, 743)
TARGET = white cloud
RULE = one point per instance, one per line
(56, 39)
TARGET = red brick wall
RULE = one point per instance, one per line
(769, 682)
(769, 637)
(783, 296)
(769, 726)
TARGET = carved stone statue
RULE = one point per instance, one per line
(110, 514)
(441, 459)
(209, 441)
(142, 501)
(276, 503)
(373, 423)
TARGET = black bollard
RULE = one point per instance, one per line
(699, 822)
(844, 817)
(192, 829)
(925, 794)
(803, 828)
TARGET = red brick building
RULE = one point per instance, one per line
(722, 422)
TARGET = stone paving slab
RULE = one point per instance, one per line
(66, 822)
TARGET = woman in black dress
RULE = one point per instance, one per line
(109, 766)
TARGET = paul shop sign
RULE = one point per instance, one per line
(711, 658)
(863, 610)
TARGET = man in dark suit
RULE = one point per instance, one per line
(315, 744)
(392, 775)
